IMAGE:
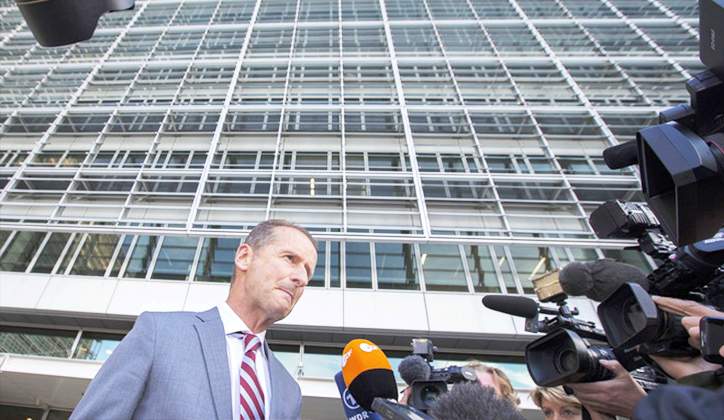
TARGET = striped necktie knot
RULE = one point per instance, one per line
(251, 343)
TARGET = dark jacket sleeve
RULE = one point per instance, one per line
(676, 402)
(115, 391)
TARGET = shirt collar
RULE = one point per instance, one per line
(232, 323)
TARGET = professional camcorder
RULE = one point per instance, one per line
(571, 349)
(426, 389)
(629, 316)
(681, 162)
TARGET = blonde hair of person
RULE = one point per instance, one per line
(506, 387)
(554, 394)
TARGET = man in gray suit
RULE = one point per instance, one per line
(185, 365)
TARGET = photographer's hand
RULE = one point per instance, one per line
(684, 307)
(616, 396)
(678, 367)
(692, 313)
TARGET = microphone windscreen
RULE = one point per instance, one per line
(367, 373)
(598, 279)
(576, 279)
(414, 368)
(470, 400)
(512, 305)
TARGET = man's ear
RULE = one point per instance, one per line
(243, 257)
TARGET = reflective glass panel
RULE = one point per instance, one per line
(334, 264)
(217, 260)
(531, 262)
(175, 258)
(97, 346)
(36, 341)
(318, 279)
(396, 268)
(443, 268)
(50, 253)
(21, 250)
(140, 259)
(288, 355)
(482, 271)
(359, 265)
(321, 362)
(95, 255)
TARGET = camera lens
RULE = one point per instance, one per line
(429, 394)
(566, 361)
(634, 319)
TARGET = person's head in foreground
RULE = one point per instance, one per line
(496, 379)
(471, 400)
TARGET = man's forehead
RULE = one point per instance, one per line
(282, 235)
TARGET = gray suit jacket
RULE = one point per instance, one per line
(173, 365)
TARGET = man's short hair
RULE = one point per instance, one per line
(471, 400)
(264, 233)
(506, 387)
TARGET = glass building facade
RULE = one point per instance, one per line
(432, 146)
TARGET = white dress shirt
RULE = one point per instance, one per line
(235, 353)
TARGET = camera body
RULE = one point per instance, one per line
(424, 392)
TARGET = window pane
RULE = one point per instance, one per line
(8, 412)
(635, 258)
(95, 255)
(97, 346)
(443, 268)
(50, 253)
(359, 265)
(318, 279)
(504, 265)
(22, 249)
(396, 268)
(288, 355)
(70, 252)
(4, 234)
(175, 258)
(217, 260)
(57, 415)
(531, 262)
(141, 257)
(334, 264)
(482, 271)
(36, 341)
(321, 362)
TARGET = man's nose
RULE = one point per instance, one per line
(300, 276)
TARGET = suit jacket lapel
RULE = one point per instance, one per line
(213, 346)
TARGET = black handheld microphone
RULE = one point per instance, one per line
(512, 305)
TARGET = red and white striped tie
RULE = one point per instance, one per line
(251, 396)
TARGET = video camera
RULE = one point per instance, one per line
(681, 163)
(425, 391)
(681, 160)
(566, 353)
(629, 316)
